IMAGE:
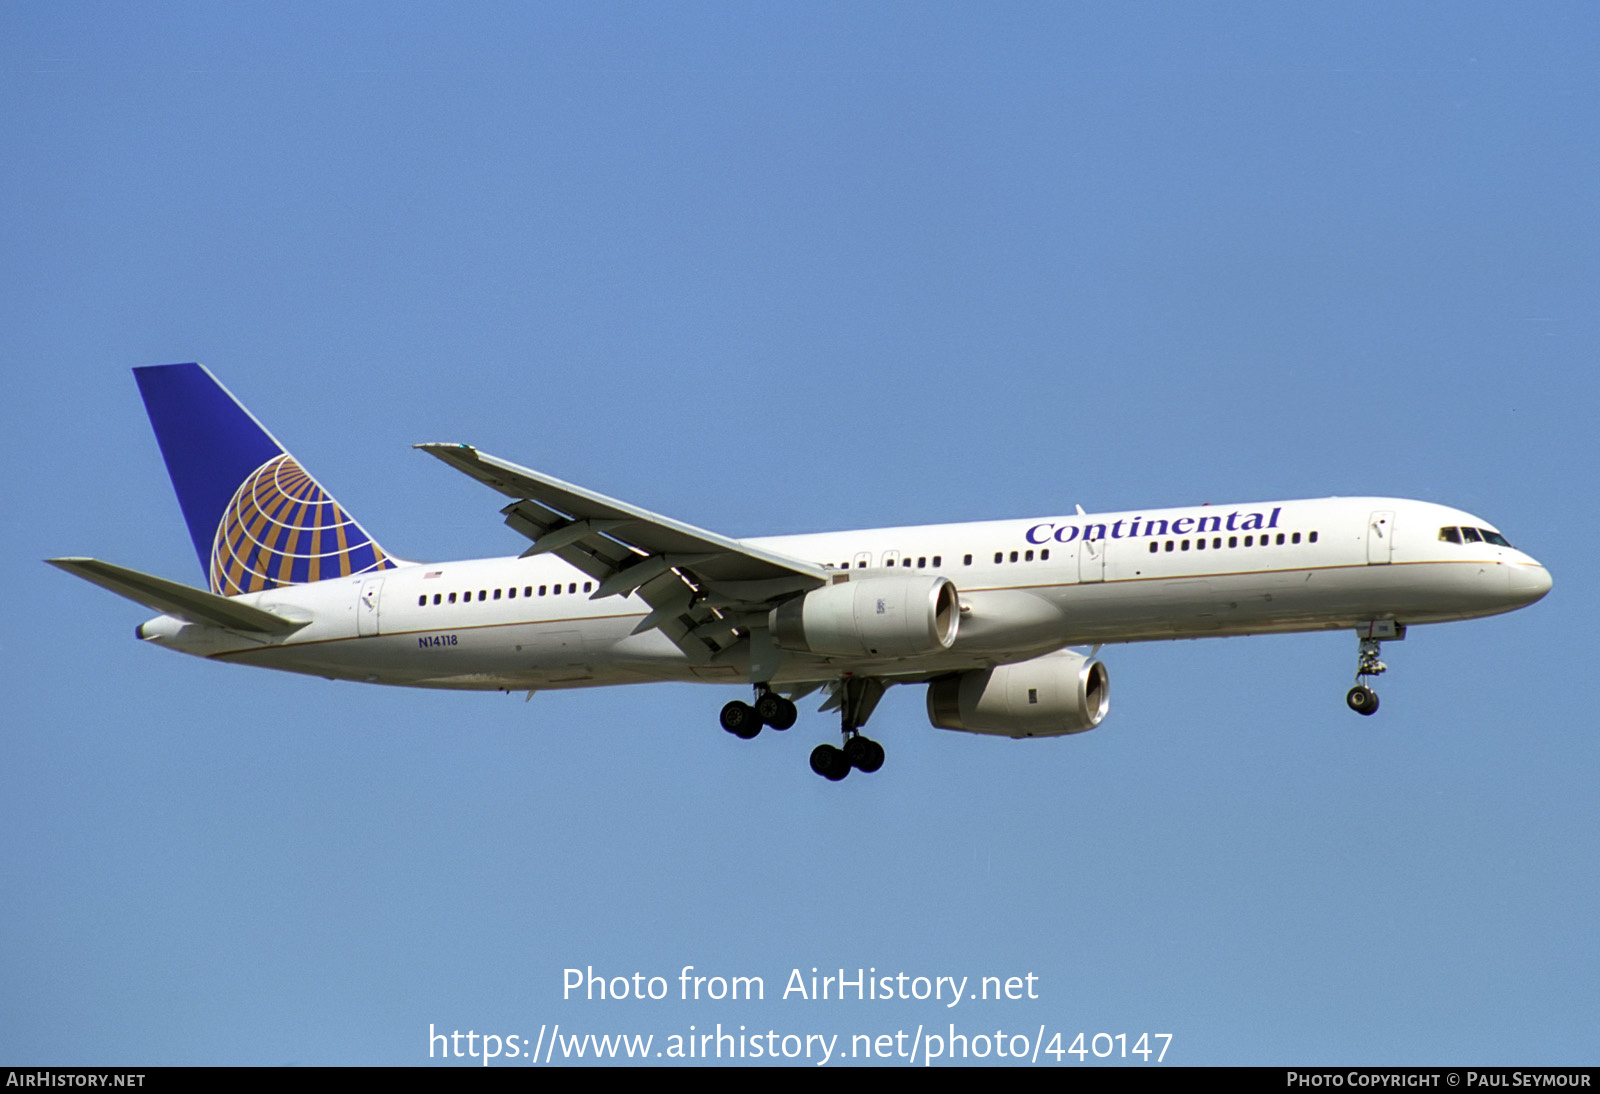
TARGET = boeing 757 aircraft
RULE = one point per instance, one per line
(608, 593)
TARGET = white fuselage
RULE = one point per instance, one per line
(1026, 587)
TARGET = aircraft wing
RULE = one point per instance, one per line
(697, 583)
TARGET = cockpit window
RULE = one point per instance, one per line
(1473, 535)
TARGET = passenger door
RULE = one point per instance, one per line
(1091, 560)
(1380, 537)
(367, 607)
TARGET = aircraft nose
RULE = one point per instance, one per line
(1529, 582)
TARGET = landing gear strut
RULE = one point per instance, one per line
(745, 720)
(856, 697)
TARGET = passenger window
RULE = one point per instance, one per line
(572, 588)
(1249, 541)
(555, 590)
(496, 595)
(1295, 538)
(1013, 556)
(966, 560)
(1199, 545)
(1169, 545)
(541, 590)
(1233, 541)
(452, 598)
(937, 559)
(1154, 546)
(422, 601)
(1044, 556)
(587, 585)
(1028, 557)
(1280, 539)
(1184, 546)
(1313, 537)
(999, 558)
(905, 563)
(922, 562)
(436, 598)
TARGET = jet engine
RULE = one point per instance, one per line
(884, 616)
(1061, 692)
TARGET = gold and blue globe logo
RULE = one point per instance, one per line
(281, 528)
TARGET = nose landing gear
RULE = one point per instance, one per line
(1361, 698)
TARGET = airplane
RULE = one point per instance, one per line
(985, 614)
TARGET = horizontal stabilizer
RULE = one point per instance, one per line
(175, 599)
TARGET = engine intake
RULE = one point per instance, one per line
(1059, 693)
(895, 615)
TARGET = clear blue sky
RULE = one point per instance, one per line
(781, 268)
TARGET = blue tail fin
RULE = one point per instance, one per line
(257, 519)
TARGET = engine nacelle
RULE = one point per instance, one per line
(1061, 692)
(891, 615)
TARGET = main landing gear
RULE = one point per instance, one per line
(1361, 698)
(856, 697)
(859, 752)
(745, 720)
